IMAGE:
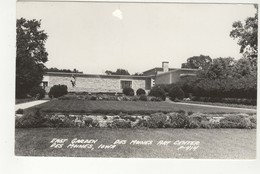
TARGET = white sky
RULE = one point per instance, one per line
(95, 37)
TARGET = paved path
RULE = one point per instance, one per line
(29, 104)
(212, 106)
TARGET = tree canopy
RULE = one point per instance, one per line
(30, 55)
(197, 62)
(247, 37)
(119, 71)
(62, 70)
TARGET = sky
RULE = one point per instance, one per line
(95, 37)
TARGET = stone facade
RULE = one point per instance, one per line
(95, 83)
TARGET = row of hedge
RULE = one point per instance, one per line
(36, 118)
(244, 87)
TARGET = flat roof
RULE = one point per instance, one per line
(95, 75)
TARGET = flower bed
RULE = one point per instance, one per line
(36, 118)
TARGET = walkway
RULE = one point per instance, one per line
(213, 106)
(29, 104)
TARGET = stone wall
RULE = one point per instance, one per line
(93, 84)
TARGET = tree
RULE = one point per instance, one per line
(118, 72)
(220, 68)
(30, 56)
(197, 62)
(243, 67)
(247, 37)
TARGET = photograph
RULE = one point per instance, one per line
(149, 80)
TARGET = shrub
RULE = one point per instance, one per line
(143, 98)
(128, 91)
(58, 91)
(157, 120)
(156, 99)
(19, 111)
(93, 97)
(32, 118)
(121, 123)
(37, 92)
(158, 92)
(235, 121)
(176, 93)
(177, 120)
(88, 121)
(140, 91)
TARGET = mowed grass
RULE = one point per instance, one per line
(84, 106)
(214, 143)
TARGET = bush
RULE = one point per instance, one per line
(236, 121)
(156, 99)
(157, 92)
(121, 123)
(93, 97)
(58, 91)
(19, 111)
(140, 91)
(37, 92)
(177, 120)
(143, 98)
(32, 118)
(128, 91)
(176, 93)
(157, 120)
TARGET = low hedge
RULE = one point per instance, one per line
(34, 118)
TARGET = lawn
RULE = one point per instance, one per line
(213, 143)
(85, 106)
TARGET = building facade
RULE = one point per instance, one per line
(77, 82)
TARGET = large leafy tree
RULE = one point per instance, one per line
(197, 62)
(247, 37)
(220, 68)
(30, 55)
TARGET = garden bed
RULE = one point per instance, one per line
(36, 118)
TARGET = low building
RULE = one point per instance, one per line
(166, 75)
(77, 82)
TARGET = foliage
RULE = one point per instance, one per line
(140, 91)
(62, 70)
(176, 93)
(143, 98)
(19, 111)
(128, 91)
(119, 71)
(236, 122)
(58, 91)
(121, 123)
(247, 35)
(157, 120)
(156, 91)
(31, 119)
(30, 55)
(197, 62)
(37, 92)
(220, 68)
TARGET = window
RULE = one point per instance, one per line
(126, 84)
(44, 84)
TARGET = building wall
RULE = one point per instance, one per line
(94, 84)
(173, 76)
